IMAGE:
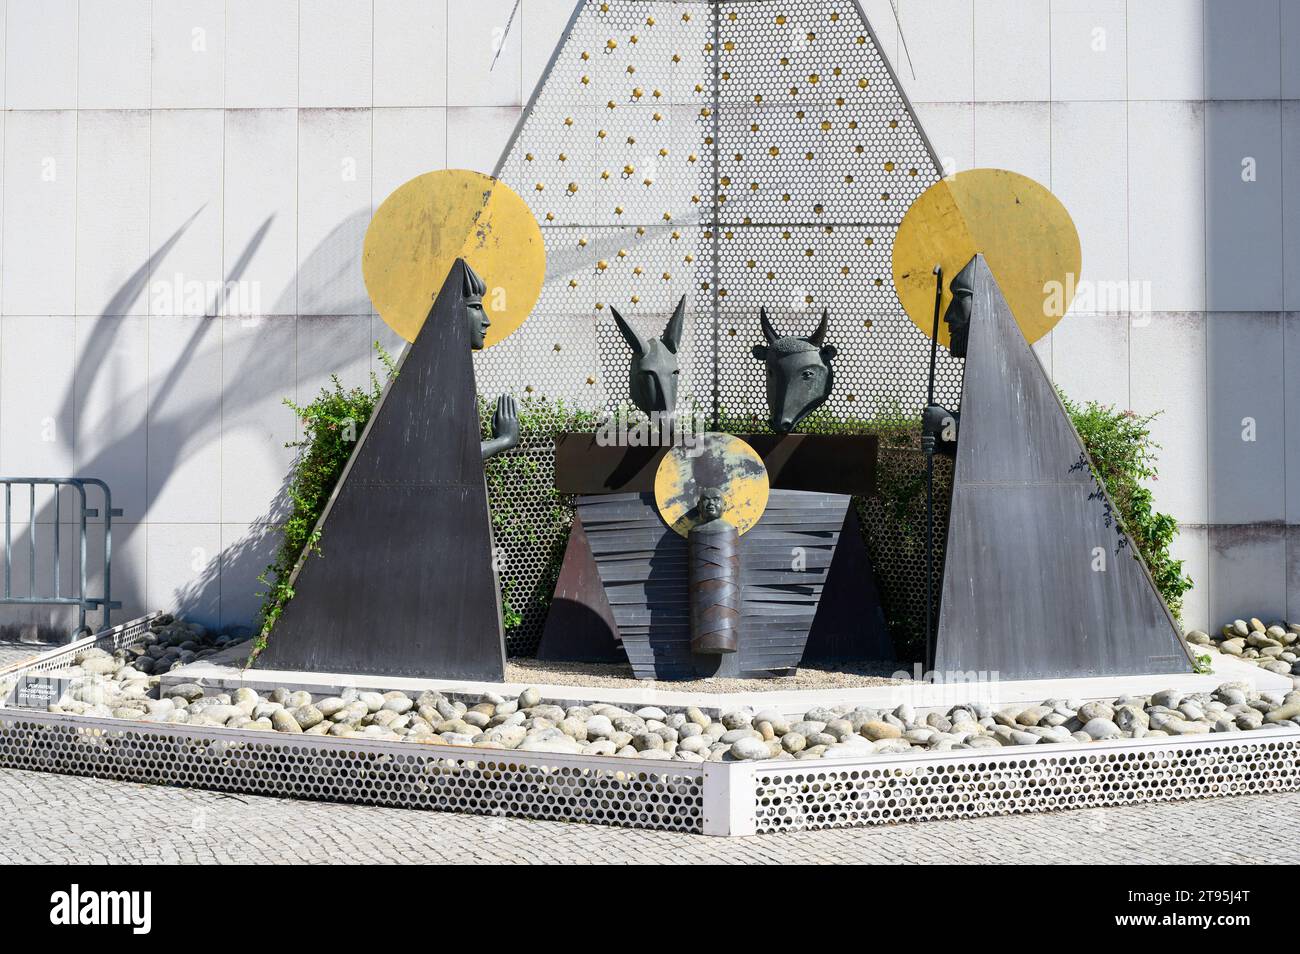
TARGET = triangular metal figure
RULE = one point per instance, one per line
(405, 583)
(1040, 580)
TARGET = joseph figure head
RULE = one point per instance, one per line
(472, 289)
(958, 315)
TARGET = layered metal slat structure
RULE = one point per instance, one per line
(643, 564)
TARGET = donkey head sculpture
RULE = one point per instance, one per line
(653, 378)
(799, 374)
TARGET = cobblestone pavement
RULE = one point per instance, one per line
(12, 651)
(56, 818)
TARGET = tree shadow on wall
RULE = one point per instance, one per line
(167, 429)
(328, 282)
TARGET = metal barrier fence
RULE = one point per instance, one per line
(82, 599)
(712, 798)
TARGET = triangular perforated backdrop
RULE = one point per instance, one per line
(747, 153)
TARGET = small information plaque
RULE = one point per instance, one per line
(36, 691)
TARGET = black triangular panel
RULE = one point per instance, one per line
(580, 625)
(850, 622)
(405, 585)
(1021, 594)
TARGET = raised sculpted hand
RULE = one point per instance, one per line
(939, 425)
(505, 427)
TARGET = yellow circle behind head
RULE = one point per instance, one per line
(435, 218)
(1024, 232)
(712, 460)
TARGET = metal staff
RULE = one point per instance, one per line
(927, 446)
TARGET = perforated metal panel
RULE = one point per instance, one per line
(125, 634)
(1035, 779)
(604, 791)
(745, 154)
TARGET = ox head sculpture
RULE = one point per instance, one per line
(799, 374)
(653, 377)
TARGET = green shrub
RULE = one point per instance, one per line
(331, 425)
(1124, 458)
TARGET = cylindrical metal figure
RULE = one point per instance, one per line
(714, 546)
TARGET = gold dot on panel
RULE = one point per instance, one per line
(889, 167)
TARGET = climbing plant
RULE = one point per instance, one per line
(331, 424)
(1124, 457)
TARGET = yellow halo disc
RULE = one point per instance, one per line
(712, 460)
(435, 218)
(1025, 233)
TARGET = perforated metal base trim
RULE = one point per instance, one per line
(1034, 779)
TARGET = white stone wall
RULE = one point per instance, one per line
(154, 150)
